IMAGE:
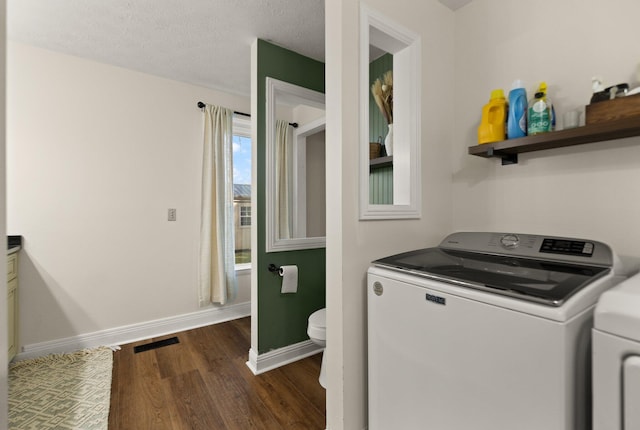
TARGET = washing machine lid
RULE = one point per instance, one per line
(527, 267)
(618, 310)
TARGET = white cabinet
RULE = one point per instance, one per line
(12, 303)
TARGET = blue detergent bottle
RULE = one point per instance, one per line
(517, 119)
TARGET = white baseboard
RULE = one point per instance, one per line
(260, 363)
(140, 331)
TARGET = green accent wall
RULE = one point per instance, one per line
(380, 180)
(282, 318)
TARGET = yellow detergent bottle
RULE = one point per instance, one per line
(494, 118)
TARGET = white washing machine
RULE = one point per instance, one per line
(487, 331)
(616, 358)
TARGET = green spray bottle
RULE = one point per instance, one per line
(540, 113)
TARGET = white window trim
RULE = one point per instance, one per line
(243, 267)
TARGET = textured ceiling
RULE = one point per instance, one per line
(202, 42)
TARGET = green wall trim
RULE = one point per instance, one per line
(282, 318)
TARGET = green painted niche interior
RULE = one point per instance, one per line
(381, 179)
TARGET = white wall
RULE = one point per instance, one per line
(583, 191)
(4, 373)
(96, 155)
(352, 244)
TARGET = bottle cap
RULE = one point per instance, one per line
(517, 84)
(497, 94)
(543, 87)
(596, 84)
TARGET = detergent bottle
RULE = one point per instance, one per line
(540, 114)
(494, 119)
(517, 118)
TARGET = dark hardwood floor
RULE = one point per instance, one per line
(202, 382)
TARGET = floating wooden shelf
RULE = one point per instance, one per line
(377, 163)
(508, 150)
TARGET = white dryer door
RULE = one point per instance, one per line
(631, 390)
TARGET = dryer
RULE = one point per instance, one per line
(485, 331)
(616, 358)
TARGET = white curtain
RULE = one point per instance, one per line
(217, 254)
(284, 181)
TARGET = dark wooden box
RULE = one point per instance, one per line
(611, 110)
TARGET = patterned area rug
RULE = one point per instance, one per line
(61, 391)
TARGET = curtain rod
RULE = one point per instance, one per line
(201, 105)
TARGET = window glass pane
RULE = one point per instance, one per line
(245, 215)
(242, 196)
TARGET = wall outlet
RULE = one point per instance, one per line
(172, 214)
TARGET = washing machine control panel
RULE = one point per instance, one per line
(547, 247)
(568, 247)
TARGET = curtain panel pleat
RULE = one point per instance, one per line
(284, 180)
(217, 277)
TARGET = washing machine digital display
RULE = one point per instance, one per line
(568, 247)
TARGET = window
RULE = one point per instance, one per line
(242, 188)
(245, 216)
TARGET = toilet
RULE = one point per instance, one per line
(616, 358)
(317, 331)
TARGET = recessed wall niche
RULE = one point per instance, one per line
(380, 36)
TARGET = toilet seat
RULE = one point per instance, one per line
(317, 328)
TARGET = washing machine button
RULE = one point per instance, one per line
(509, 241)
